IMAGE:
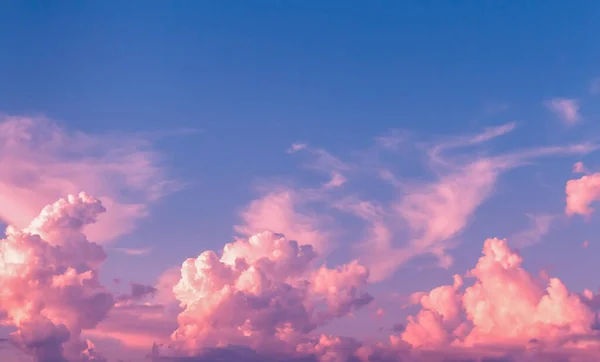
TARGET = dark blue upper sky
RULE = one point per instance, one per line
(287, 67)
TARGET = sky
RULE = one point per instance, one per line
(299, 181)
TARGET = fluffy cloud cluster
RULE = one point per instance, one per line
(505, 306)
(264, 297)
(581, 193)
(262, 292)
(49, 287)
(259, 301)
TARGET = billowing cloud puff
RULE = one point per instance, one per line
(581, 193)
(49, 287)
(40, 161)
(505, 306)
(262, 292)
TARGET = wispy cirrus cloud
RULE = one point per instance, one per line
(539, 226)
(424, 217)
(133, 252)
(41, 161)
(434, 213)
(285, 210)
(566, 109)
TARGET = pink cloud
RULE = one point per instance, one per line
(579, 167)
(49, 286)
(262, 298)
(262, 292)
(41, 161)
(435, 213)
(505, 306)
(425, 218)
(280, 211)
(581, 193)
(566, 109)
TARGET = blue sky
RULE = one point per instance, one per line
(255, 77)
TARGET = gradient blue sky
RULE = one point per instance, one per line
(255, 77)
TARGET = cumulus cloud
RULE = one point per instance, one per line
(263, 292)
(506, 306)
(581, 193)
(566, 109)
(49, 286)
(260, 300)
(41, 161)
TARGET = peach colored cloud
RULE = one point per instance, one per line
(40, 161)
(581, 193)
(505, 306)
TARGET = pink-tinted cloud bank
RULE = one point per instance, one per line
(267, 295)
(504, 314)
